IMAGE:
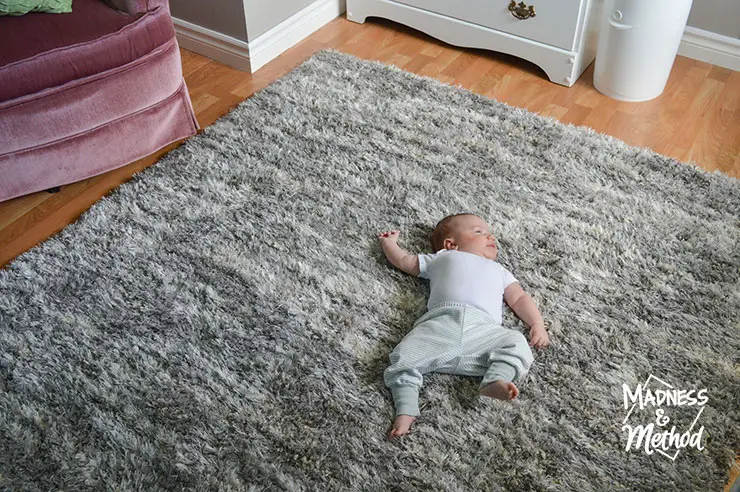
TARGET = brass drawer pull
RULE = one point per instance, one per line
(521, 11)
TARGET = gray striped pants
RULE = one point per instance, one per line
(458, 339)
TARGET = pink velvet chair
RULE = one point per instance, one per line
(87, 92)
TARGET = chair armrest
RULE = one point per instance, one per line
(137, 6)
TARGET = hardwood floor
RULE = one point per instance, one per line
(696, 119)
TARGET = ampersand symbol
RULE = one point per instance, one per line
(660, 419)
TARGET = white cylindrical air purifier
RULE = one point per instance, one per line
(637, 45)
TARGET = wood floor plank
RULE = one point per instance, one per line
(478, 67)
(440, 63)
(418, 62)
(21, 206)
(716, 139)
(507, 86)
(554, 111)
(589, 97)
(698, 117)
(192, 62)
(601, 114)
(730, 97)
(489, 79)
(720, 74)
(459, 65)
(576, 114)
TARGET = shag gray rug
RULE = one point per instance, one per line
(222, 321)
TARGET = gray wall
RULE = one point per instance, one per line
(224, 16)
(718, 16)
(228, 16)
(263, 15)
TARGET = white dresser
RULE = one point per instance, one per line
(559, 36)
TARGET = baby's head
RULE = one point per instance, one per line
(465, 232)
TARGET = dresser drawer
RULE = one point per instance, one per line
(554, 24)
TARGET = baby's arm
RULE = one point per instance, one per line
(399, 258)
(523, 306)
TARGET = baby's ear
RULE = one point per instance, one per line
(449, 243)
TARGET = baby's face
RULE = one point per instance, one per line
(472, 235)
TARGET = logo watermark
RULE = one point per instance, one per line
(656, 436)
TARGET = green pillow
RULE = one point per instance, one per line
(20, 7)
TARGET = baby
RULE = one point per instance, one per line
(461, 332)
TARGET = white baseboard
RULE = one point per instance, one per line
(293, 30)
(709, 47)
(225, 49)
(250, 56)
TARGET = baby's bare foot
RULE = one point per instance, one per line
(503, 390)
(401, 425)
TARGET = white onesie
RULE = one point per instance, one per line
(466, 278)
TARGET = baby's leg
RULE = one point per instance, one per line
(498, 379)
(404, 384)
(428, 347)
(401, 425)
(509, 360)
(500, 389)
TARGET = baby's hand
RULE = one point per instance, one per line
(391, 236)
(538, 336)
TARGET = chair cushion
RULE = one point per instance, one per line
(98, 150)
(87, 104)
(58, 49)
